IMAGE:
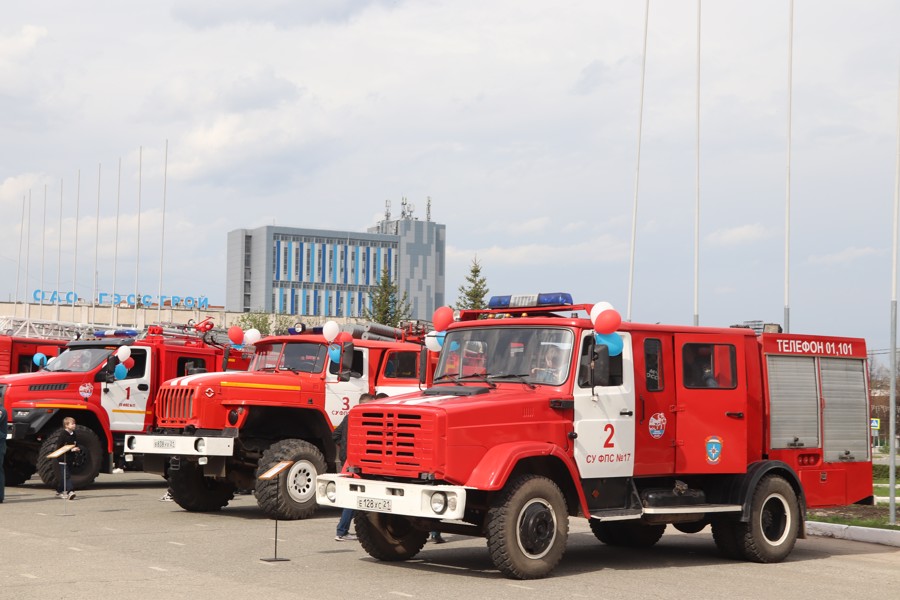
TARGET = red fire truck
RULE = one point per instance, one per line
(17, 353)
(216, 434)
(80, 383)
(689, 426)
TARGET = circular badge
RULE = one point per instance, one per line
(85, 390)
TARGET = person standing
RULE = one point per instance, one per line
(67, 461)
(3, 427)
(339, 435)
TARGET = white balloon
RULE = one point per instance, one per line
(251, 336)
(123, 353)
(599, 308)
(431, 341)
(330, 330)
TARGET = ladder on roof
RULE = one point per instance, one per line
(45, 330)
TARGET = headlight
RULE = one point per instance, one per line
(129, 442)
(439, 502)
(330, 491)
(200, 445)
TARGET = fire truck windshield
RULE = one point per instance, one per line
(541, 355)
(300, 357)
(78, 360)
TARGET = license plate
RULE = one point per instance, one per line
(165, 444)
(376, 504)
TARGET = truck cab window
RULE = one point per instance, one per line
(653, 365)
(709, 366)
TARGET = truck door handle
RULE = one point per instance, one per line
(626, 412)
(143, 387)
(735, 415)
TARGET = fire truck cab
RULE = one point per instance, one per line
(216, 434)
(530, 420)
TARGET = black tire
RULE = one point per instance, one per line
(695, 527)
(627, 534)
(16, 470)
(774, 523)
(82, 471)
(725, 535)
(388, 537)
(528, 526)
(292, 494)
(195, 492)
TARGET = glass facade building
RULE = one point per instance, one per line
(322, 273)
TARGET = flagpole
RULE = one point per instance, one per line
(137, 258)
(162, 242)
(95, 292)
(75, 251)
(787, 203)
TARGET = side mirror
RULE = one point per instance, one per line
(600, 365)
(423, 365)
(346, 368)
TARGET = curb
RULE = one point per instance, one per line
(871, 535)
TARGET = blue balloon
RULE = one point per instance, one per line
(40, 359)
(613, 341)
(454, 346)
(334, 353)
(121, 371)
(440, 337)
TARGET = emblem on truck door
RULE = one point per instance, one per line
(713, 449)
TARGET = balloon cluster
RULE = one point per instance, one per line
(335, 338)
(123, 353)
(239, 337)
(434, 340)
(606, 320)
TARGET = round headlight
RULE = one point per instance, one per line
(232, 416)
(200, 445)
(439, 502)
(330, 491)
(129, 441)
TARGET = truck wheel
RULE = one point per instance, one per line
(195, 492)
(86, 466)
(774, 522)
(292, 494)
(17, 470)
(725, 535)
(388, 537)
(628, 534)
(528, 526)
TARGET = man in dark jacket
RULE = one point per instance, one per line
(67, 460)
(339, 435)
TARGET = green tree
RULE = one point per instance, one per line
(266, 323)
(472, 293)
(389, 307)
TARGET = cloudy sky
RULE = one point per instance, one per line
(519, 119)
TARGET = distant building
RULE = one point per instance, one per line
(322, 273)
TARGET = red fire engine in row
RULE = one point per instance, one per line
(689, 426)
(81, 383)
(216, 434)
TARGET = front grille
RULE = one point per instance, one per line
(393, 442)
(47, 387)
(175, 405)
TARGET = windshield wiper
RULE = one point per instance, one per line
(520, 376)
(483, 376)
(448, 376)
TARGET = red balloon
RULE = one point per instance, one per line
(607, 321)
(344, 337)
(128, 362)
(236, 334)
(442, 318)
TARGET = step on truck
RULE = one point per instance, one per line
(81, 383)
(640, 427)
(215, 434)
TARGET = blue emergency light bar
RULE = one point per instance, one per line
(116, 333)
(530, 300)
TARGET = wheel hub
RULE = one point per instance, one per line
(537, 528)
(301, 481)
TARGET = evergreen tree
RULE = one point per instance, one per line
(265, 323)
(389, 307)
(472, 294)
